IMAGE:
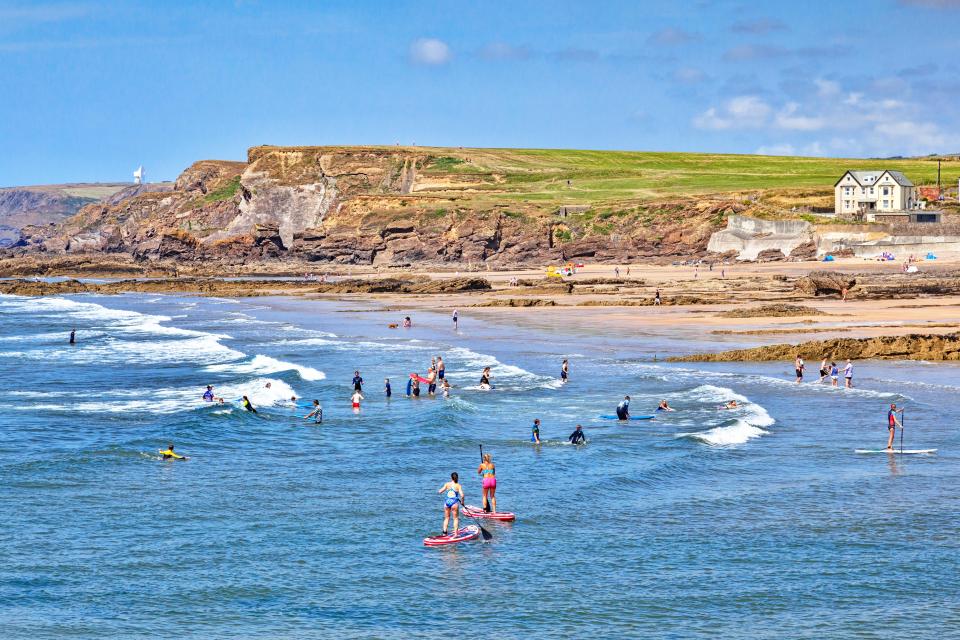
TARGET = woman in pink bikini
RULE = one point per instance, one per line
(488, 471)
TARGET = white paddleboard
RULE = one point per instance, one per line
(896, 451)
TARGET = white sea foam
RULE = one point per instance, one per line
(748, 419)
(265, 364)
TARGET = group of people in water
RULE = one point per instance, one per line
(828, 369)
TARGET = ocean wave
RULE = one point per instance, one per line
(744, 423)
(265, 365)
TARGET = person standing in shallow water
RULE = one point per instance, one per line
(848, 374)
(357, 381)
(565, 371)
(73, 336)
(798, 365)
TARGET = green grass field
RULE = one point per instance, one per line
(606, 177)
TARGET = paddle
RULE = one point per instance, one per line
(483, 532)
(902, 419)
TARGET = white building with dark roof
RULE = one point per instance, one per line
(874, 195)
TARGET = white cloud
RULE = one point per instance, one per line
(784, 149)
(788, 118)
(742, 112)
(827, 88)
(430, 51)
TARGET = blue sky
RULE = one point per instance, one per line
(92, 89)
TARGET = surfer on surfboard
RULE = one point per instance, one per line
(623, 409)
(893, 423)
(453, 497)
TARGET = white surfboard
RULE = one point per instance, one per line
(896, 451)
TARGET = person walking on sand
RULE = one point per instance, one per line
(453, 497)
(488, 472)
(893, 423)
(616, 272)
(565, 371)
(456, 319)
(656, 297)
(798, 365)
(824, 370)
(848, 374)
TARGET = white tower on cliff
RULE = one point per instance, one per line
(138, 175)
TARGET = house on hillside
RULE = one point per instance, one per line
(878, 196)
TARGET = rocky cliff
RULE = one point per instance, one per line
(380, 206)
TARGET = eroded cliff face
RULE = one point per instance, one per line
(371, 205)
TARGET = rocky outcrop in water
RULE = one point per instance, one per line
(910, 347)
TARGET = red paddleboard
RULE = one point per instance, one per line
(462, 535)
(476, 512)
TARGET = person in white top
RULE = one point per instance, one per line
(848, 374)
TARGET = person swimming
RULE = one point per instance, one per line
(623, 409)
(208, 394)
(453, 498)
(488, 471)
(535, 432)
(729, 404)
(578, 437)
(664, 406)
(170, 454)
(316, 414)
(247, 405)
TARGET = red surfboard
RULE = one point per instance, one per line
(476, 512)
(461, 535)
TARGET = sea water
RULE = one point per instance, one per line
(746, 523)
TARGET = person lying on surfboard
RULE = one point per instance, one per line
(453, 498)
(488, 471)
(169, 454)
(893, 423)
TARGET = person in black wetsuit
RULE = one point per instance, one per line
(247, 405)
(578, 437)
(623, 409)
(357, 381)
(73, 337)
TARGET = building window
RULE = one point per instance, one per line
(886, 204)
(871, 190)
(886, 191)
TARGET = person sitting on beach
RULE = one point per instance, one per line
(169, 454)
(316, 414)
(664, 406)
(578, 437)
(623, 409)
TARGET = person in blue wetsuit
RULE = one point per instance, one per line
(453, 498)
(578, 437)
(357, 381)
(208, 394)
(623, 409)
(535, 434)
